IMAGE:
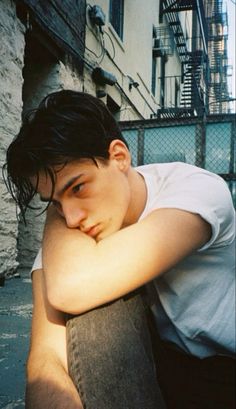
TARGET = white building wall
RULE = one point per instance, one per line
(133, 55)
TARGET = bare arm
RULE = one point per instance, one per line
(82, 274)
(48, 382)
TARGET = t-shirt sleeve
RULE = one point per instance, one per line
(208, 195)
(37, 262)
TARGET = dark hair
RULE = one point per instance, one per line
(67, 125)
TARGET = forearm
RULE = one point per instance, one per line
(49, 386)
(79, 273)
(82, 274)
(75, 269)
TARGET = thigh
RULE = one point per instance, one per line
(192, 383)
(110, 357)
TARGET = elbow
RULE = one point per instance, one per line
(60, 298)
(57, 292)
(57, 298)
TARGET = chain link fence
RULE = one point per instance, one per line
(209, 143)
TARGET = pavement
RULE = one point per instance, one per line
(15, 322)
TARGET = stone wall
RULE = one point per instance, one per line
(27, 74)
(49, 76)
(11, 80)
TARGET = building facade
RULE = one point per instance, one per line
(219, 68)
(143, 59)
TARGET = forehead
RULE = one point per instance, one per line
(62, 175)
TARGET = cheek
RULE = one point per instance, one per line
(112, 198)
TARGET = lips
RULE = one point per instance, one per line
(91, 231)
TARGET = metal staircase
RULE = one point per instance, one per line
(192, 96)
(170, 9)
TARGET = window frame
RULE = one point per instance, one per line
(116, 17)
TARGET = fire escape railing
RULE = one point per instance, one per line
(194, 72)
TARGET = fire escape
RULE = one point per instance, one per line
(193, 79)
(218, 58)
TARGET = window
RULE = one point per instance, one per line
(177, 93)
(113, 107)
(116, 16)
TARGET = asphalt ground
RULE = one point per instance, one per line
(15, 322)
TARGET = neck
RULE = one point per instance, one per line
(138, 198)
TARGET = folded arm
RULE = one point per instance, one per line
(81, 273)
(48, 382)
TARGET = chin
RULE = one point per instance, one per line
(101, 236)
(108, 231)
(104, 235)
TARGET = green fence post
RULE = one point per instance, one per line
(200, 143)
(140, 146)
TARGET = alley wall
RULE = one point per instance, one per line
(11, 81)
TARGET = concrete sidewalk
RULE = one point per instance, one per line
(15, 321)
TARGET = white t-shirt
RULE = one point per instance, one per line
(195, 302)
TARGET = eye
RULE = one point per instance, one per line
(77, 188)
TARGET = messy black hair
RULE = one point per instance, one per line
(67, 125)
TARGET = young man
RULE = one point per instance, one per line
(110, 230)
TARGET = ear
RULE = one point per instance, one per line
(119, 152)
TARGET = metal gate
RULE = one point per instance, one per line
(209, 143)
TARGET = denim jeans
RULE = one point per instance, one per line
(110, 357)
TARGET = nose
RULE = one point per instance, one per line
(73, 214)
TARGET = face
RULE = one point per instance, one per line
(94, 199)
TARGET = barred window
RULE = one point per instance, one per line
(116, 15)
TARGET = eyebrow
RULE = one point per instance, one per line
(68, 184)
